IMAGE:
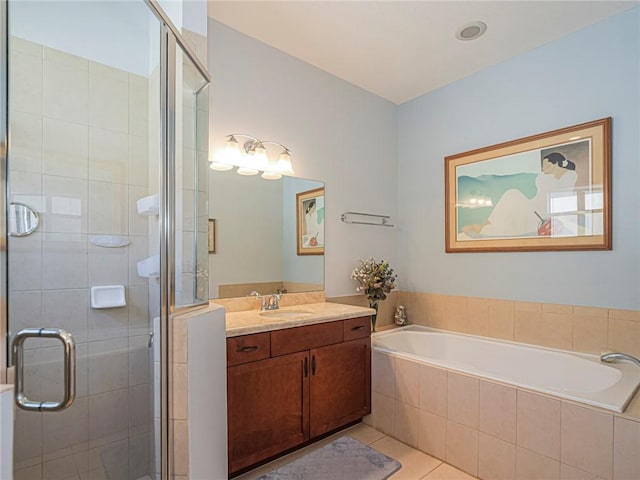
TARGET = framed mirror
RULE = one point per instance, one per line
(256, 236)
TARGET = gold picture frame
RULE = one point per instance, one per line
(212, 236)
(310, 222)
(550, 191)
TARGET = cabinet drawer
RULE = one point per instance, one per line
(248, 348)
(305, 338)
(355, 328)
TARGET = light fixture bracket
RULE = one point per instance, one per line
(250, 145)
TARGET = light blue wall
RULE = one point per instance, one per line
(338, 134)
(590, 74)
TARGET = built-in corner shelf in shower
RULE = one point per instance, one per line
(149, 206)
(108, 296)
(110, 241)
(149, 267)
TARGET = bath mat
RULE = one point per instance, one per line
(343, 459)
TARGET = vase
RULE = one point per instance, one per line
(373, 303)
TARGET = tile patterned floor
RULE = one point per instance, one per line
(416, 465)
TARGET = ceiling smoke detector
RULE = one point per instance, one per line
(471, 31)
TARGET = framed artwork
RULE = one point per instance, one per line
(212, 236)
(310, 222)
(550, 191)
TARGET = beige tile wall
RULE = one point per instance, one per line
(78, 156)
(244, 289)
(296, 287)
(492, 430)
(265, 288)
(178, 400)
(195, 402)
(568, 327)
(386, 309)
(577, 328)
(241, 304)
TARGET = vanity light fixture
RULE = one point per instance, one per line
(251, 158)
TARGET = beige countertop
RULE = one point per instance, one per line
(251, 321)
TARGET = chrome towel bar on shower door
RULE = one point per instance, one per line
(17, 347)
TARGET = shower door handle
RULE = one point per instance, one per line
(17, 349)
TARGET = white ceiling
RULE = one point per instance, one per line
(401, 50)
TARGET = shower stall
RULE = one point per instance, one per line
(104, 178)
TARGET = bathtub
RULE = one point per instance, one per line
(570, 375)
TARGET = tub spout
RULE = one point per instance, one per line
(612, 357)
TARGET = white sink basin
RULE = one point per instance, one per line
(285, 313)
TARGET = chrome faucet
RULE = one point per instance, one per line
(612, 357)
(269, 302)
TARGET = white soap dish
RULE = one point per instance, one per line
(149, 267)
(148, 206)
(110, 241)
(108, 296)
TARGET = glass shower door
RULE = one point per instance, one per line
(84, 155)
(191, 184)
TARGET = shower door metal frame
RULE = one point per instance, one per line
(4, 137)
(167, 244)
(170, 38)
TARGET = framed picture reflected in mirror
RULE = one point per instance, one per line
(310, 222)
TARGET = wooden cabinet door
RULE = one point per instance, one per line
(268, 409)
(340, 385)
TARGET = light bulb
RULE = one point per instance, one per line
(220, 162)
(232, 153)
(220, 167)
(284, 163)
(259, 157)
(271, 176)
(247, 171)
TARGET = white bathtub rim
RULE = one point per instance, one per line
(598, 399)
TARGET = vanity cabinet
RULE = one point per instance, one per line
(340, 385)
(268, 408)
(313, 379)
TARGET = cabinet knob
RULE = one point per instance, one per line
(359, 327)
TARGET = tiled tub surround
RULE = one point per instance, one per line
(386, 308)
(79, 156)
(569, 375)
(566, 327)
(494, 430)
